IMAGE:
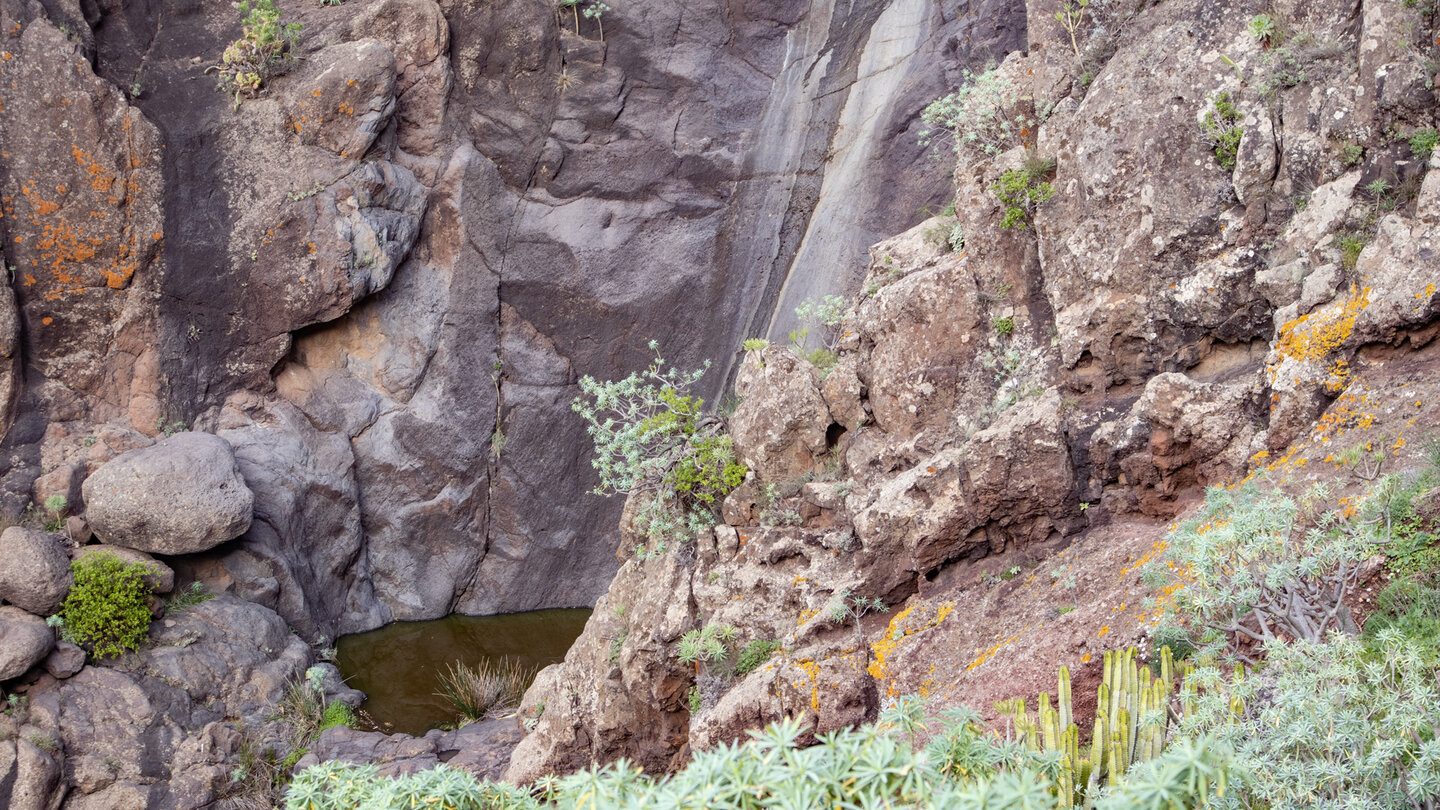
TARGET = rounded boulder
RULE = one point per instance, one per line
(179, 496)
(34, 570)
(25, 640)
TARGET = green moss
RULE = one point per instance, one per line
(336, 714)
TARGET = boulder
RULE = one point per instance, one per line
(24, 642)
(65, 660)
(34, 570)
(180, 496)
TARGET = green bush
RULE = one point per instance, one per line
(709, 472)
(108, 609)
(1423, 142)
(1022, 190)
(1221, 127)
(336, 714)
(1004, 326)
(754, 654)
(1351, 246)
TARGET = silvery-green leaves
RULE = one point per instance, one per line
(641, 425)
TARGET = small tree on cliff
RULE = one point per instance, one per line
(651, 437)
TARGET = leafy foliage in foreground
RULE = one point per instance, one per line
(963, 767)
(1328, 725)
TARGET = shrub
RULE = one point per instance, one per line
(55, 507)
(1423, 142)
(1411, 608)
(982, 118)
(265, 41)
(1257, 564)
(1071, 17)
(487, 688)
(650, 436)
(710, 643)
(1005, 325)
(108, 609)
(1222, 130)
(336, 714)
(754, 654)
(710, 471)
(755, 344)
(1022, 190)
(1351, 246)
(1324, 725)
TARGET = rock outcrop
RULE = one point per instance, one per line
(1013, 422)
(24, 642)
(417, 238)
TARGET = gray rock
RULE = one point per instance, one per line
(161, 577)
(182, 495)
(37, 775)
(1320, 286)
(65, 660)
(24, 642)
(78, 530)
(34, 570)
(779, 443)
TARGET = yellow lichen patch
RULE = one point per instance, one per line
(986, 654)
(913, 619)
(1314, 335)
(811, 670)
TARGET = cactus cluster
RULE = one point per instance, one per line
(1132, 716)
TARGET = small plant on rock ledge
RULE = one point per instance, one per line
(265, 41)
(1222, 130)
(1021, 191)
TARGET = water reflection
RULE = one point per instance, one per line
(398, 665)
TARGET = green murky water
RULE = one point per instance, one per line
(398, 665)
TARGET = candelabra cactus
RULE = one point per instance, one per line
(1132, 716)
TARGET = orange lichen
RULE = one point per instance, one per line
(914, 619)
(1316, 334)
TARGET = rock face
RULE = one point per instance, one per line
(24, 642)
(34, 570)
(415, 241)
(182, 495)
(1047, 398)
